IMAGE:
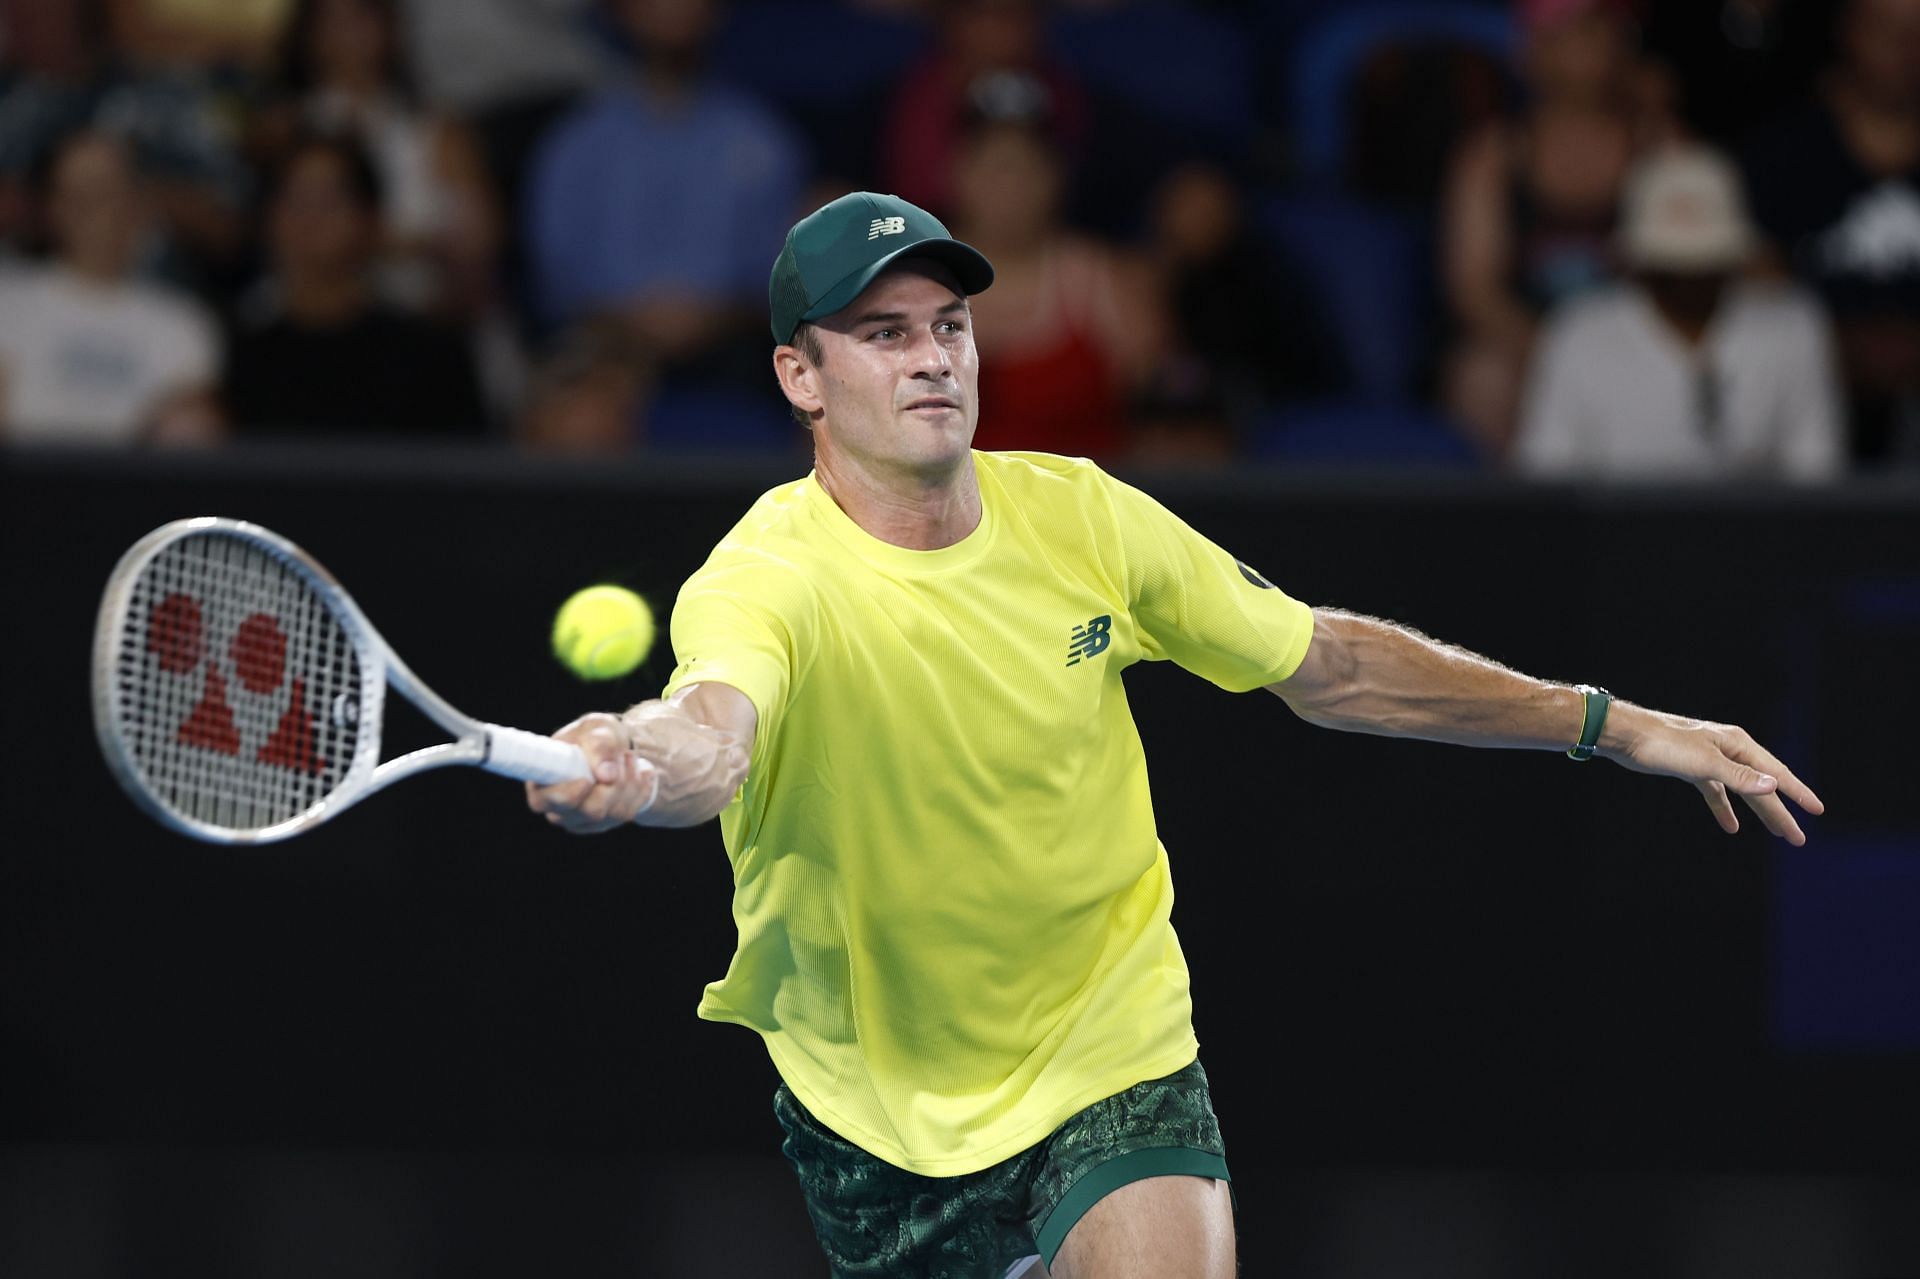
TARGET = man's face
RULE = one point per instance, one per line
(316, 222)
(1880, 40)
(669, 28)
(93, 204)
(900, 378)
(1689, 296)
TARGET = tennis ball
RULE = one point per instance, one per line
(603, 632)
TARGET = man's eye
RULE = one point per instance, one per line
(882, 333)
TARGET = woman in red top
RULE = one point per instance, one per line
(1531, 202)
(1071, 326)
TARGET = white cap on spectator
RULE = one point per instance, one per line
(1684, 211)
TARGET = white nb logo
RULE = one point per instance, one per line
(886, 226)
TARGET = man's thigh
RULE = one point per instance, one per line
(1161, 1134)
(1159, 1228)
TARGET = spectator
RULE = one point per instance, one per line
(988, 52)
(1837, 188)
(510, 69)
(341, 71)
(178, 86)
(89, 354)
(1531, 204)
(1071, 327)
(127, 68)
(658, 203)
(315, 348)
(1247, 330)
(587, 397)
(48, 58)
(1685, 371)
(1411, 101)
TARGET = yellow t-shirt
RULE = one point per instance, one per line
(951, 897)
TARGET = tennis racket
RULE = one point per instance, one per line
(238, 690)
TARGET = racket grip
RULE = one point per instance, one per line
(529, 757)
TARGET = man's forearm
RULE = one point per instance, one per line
(1379, 677)
(698, 751)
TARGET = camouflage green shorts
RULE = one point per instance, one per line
(875, 1220)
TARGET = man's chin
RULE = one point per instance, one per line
(944, 456)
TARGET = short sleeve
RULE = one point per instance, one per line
(1197, 605)
(722, 636)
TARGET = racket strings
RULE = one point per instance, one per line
(236, 685)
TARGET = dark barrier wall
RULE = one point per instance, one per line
(1404, 955)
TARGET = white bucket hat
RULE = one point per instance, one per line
(1683, 210)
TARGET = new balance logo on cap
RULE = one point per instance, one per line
(886, 226)
(1090, 640)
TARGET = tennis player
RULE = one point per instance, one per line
(899, 688)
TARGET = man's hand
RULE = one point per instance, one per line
(1719, 759)
(623, 783)
(664, 763)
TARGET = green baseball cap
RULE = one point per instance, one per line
(835, 251)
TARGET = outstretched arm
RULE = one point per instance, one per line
(1364, 675)
(675, 762)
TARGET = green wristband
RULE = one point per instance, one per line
(1592, 719)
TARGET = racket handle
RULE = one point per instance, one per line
(529, 757)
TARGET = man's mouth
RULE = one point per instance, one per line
(933, 402)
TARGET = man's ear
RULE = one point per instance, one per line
(799, 379)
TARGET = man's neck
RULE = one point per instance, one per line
(101, 269)
(1689, 322)
(1690, 327)
(670, 82)
(920, 513)
(324, 298)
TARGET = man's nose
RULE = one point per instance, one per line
(930, 355)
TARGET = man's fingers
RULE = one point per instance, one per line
(644, 796)
(588, 803)
(605, 745)
(1764, 764)
(1716, 797)
(1796, 790)
(1766, 805)
(545, 799)
(1760, 788)
(1774, 816)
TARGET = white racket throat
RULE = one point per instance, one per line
(238, 691)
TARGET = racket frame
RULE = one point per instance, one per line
(508, 752)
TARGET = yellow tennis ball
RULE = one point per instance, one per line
(603, 632)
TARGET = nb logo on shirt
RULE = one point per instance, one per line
(1090, 640)
(886, 226)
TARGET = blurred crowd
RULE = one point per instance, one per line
(1568, 238)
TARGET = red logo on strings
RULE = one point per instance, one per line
(176, 636)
